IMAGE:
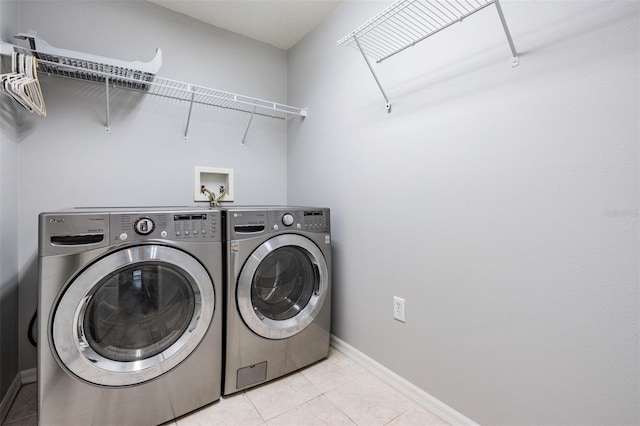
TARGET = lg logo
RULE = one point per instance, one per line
(56, 220)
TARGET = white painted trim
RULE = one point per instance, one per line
(29, 376)
(8, 398)
(402, 385)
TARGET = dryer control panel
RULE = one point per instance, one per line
(243, 223)
(301, 219)
(203, 226)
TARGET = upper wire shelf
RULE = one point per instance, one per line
(407, 22)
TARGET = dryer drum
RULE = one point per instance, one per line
(282, 286)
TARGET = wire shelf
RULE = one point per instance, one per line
(85, 66)
(140, 76)
(173, 89)
(407, 22)
(92, 71)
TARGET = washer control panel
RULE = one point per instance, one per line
(204, 226)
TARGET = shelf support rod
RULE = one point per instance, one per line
(387, 105)
(186, 130)
(107, 129)
(248, 125)
(514, 53)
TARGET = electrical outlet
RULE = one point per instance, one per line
(398, 309)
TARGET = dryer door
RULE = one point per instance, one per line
(282, 286)
(133, 315)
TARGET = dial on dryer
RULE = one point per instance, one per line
(287, 219)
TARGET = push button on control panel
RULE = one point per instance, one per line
(195, 226)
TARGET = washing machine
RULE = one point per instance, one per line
(129, 316)
(278, 292)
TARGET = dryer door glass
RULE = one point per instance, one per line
(282, 286)
(283, 283)
(139, 311)
(133, 315)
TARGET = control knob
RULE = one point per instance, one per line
(287, 219)
(144, 226)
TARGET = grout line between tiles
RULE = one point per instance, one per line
(254, 406)
(19, 422)
(341, 410)
(398, 416)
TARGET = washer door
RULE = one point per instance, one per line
(282, 286)
(133, 315)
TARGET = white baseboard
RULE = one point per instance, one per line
(29, 376)
(23, 377)
(11, 394)
(402, 385)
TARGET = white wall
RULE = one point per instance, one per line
(9, 175)
(501, 203)
(68, 160)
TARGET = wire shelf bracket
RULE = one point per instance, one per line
(405, 23)
(107, 129)
(375, 77)
(186, 129)
(140, 77)
(244, 137)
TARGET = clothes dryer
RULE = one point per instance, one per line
(278, 298)
(130, 315)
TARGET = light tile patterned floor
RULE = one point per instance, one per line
(336, 391)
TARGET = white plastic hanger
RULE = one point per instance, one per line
(22, 83)
(7, 81)
(30, 89)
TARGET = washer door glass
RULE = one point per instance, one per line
(139, 311)
(133, 315)
(282, 286)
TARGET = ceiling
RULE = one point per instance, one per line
(280, 23)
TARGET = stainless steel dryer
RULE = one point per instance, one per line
(130, 315)
(278, 299)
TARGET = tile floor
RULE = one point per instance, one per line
(336, 391)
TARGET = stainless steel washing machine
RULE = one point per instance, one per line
(278, 298)
(130, 315)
